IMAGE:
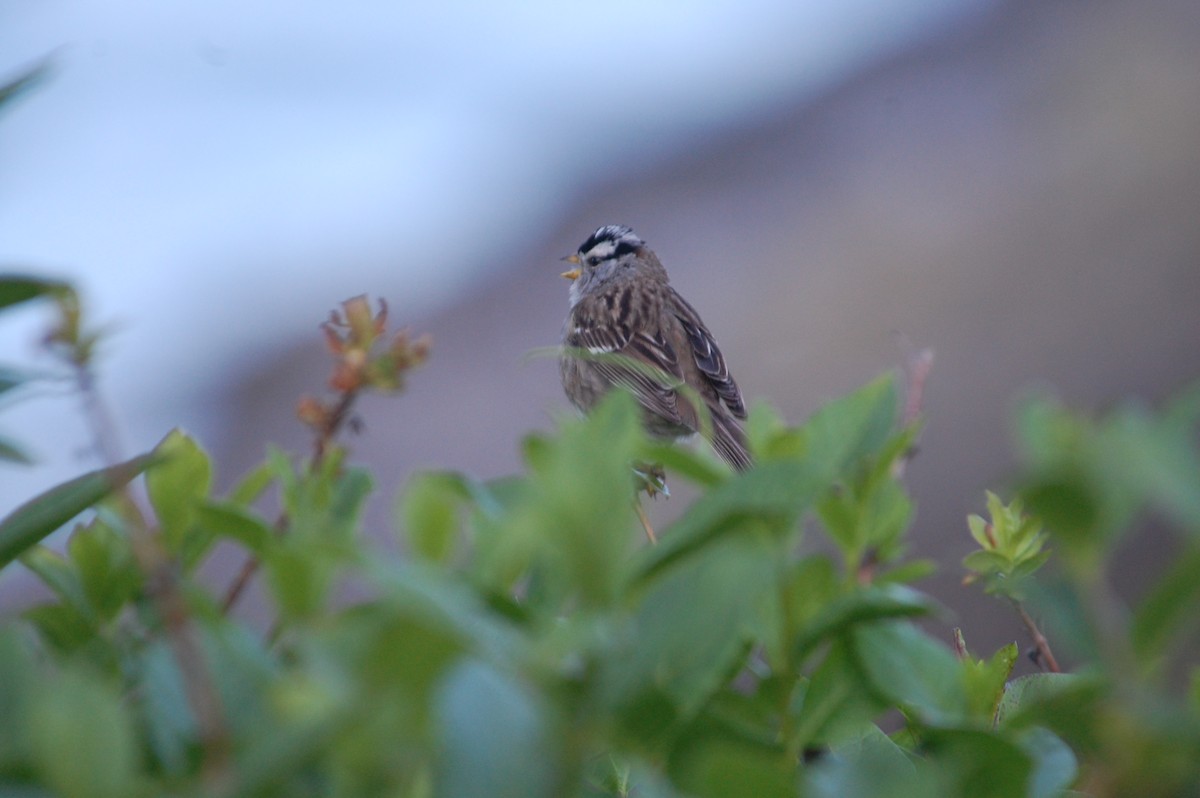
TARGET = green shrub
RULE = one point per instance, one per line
(533, 644)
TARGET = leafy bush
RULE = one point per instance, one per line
(533, 644)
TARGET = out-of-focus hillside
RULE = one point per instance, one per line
(1022, 197)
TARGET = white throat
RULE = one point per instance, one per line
(574, 294)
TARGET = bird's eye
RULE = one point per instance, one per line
(593, 261)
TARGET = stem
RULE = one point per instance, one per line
(1045, 655)
(916, 371)
(645, 519)
(321, 444)
(960, 644)
(332, 425)
(239, 584)
(917, 366)
(163, 591)
(100, 421)
(246, 573)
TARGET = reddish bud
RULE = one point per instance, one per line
(381, 318)
(348, 373)
(333, 338)
(360, 320)
(310, 411)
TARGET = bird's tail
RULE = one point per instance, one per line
(729, 441)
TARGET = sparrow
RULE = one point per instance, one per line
(628, 326)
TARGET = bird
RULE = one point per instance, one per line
(628, 326)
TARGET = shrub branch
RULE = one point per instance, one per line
(76, 348)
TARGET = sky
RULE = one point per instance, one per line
(211, 173)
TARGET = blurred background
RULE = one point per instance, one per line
(1015, 184)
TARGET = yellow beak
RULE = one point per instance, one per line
(573, 274)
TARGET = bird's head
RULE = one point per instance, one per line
(606, 253)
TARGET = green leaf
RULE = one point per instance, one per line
(873, 603)
(725, 767)
(912, 670)
(1063, 611)
(1072, 510)
(839, 703)
(640, 780)
(768, 435)
(692, 623)
(59, 574)
(431, 508)
(62, 626)
(12, 453)
(82, 739)
(1033, 699)
(426, 596)
(978, 763)
(1054, 764)
(1011, 548)
(350, 494)
(853, 426)
(494, 738)
(987, 562)
(242, 670)
(323, 503)
(11, 379)
(868, 766)
(233, 521)
(252, 485)
(300, 578)
(162, 707)
(323, 508)
(870, 513)
(19, 671)
(775, 492)
(1171, 609)
(108, 573)
(840, 433)
(907, 572)
(978, 529)
(27, 80)
(1159, 463)
(42, 515)
(177, 485)
(808, 586)
(685, 461)
(985, 681)
(18, 288)
(1089, 478)
(571, 520)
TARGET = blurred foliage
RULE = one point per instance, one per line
(532, 644)
(13, 87)
(1011, 548)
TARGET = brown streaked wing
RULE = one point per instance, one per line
(600, 333)
(708, 355)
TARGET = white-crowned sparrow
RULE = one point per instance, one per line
(628, 326)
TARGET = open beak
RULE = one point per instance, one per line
(573, 274)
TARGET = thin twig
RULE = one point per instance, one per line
(321, 444)
(916, 368)
(1045, 655)
(329, 430)
(960, 644)
(249, 568)
(239, 584)
(645, 519)
(916, 372)
(163, 590)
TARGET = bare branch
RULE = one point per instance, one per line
(1045, 657)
